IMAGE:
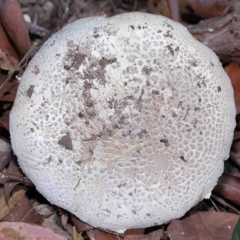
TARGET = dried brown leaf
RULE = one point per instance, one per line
(153, 236)
(97, 234)
(208, 8)
(13, 168)
(26, 231)
(134, 234)
(131, 234)
(8, 188)
(16, 196)
(228, 187)
(236, 135)
(51, 219)
(8, 56)
(9, 91)
(5, 177)
(76, 235)
(64, 221)
(79, 225)
(224, 203)
(5, 154)
(233, 71)
(14, 24)
(4, 120)
(7, 62)
(6, 45)
(221, 34)
(235, 153)
(159, 7)
(13, 173)
(203, 225)
(23, 211)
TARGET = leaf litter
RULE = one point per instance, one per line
(21, 204)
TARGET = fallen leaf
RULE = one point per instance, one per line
(12, 19)
(26, 231)
(8, 188)
(224, 203)
(79, 225)
(130, 234)
(203, 225)
(233, 71)
(12, 173)
(235, 150)
(8, 56)
(16, 196)
(159, 7)
(221, 34)
(76, 235)
(51, 219)
(96, 234)
(228, 187)
(153, 235)
(4, 120)
(23, 211)
(208, 8)
(5, 154)
(9, 91)
(134, 234)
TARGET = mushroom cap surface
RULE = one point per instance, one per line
(124, 121)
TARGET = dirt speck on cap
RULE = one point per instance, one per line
(30, 91)
(66, 142)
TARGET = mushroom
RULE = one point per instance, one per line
(124, 121)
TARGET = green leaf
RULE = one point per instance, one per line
(236, 231)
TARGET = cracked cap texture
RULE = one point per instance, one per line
(124, 121)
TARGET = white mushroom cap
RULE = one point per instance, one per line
(124, 121)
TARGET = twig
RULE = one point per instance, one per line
(135, 5)
(37, 30)
(19, 64)
(215, 206)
